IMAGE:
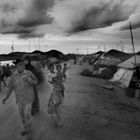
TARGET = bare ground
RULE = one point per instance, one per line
(90, 112)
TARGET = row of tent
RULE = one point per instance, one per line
(126, 70)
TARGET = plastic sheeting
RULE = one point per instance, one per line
(123, 77)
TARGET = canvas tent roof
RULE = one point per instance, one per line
(126, 70)
(123, 77)
(130, 63)
(117, 55)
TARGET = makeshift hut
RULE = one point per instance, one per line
(126, 73)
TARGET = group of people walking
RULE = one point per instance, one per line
(24, 82)
(4, 74)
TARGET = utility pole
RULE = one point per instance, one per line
(12, 47)
(29, 46)
(132, 39)
(87, 51)
(77, 50)
(38, 45)
(104, 47)
(46, 45)
(99, 48)
(38, 42)
(117, 46)
(122, 46)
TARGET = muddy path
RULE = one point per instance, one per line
(90, 112)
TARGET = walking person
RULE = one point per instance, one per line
(1, 77)
(51, 74)
(56, 97)
(6, 73)
(64, 71)
(35, 104)
(22, 82)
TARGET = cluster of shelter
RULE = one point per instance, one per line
(120, 68)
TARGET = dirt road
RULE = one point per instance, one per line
(90, 112)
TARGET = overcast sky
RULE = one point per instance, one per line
(65, 25)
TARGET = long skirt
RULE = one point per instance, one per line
(25, 113)
(35, 104)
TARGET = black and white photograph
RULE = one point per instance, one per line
(69, 69)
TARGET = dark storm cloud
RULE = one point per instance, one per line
(37, 13)
(102, 16)
(92, 14)
(7, 13)
(20, 17)
(6, 8)
(17, 30)
(30, 35)
(23, 32)
(135, 22)
(134, 26)
(26, 16)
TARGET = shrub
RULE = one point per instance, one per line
(86, 72)
(107, 74)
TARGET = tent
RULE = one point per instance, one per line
(126, 71)
(130, 63)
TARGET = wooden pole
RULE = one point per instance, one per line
(104, 47)
(122, 46)
(29, 45)
(12, 48)
(132, 39)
